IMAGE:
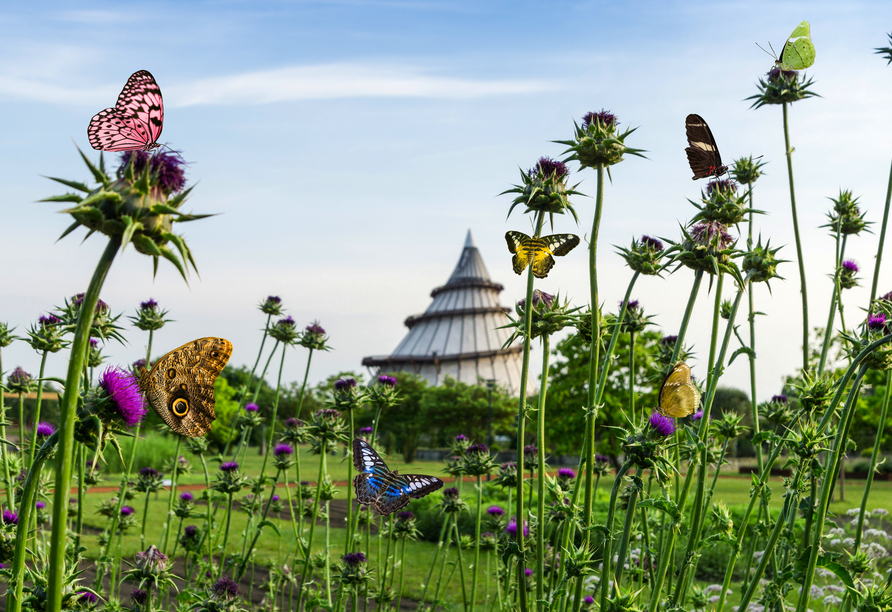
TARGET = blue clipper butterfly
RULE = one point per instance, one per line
(703, 153)
(388, 491)
(538, 250)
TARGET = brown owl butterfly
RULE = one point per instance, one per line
(180, 386)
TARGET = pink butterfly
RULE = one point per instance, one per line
(135, 123)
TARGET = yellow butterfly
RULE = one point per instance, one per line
(538, 251)
(678, 395)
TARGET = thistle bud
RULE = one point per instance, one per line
(544, 188)
(596, 142)
(644, 256)
(781, 87)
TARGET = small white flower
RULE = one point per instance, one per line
(713, 599)
(837, 531)
(880, 512)
(713, 587)
(853, 511)
(832, 600)
(816, 591)
(849, 542)
(835, 542)
(877, 533)
(834, 588)
(825, 573)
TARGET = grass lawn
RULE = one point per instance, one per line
(276, 551)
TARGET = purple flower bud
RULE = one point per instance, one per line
(186, 496)
(225, 588)
(94, 342)
(461, 438)
(149, 304)
(18, 377)
(127, 511)
(123, 390)
(549, 168)
(566, 474)
(663, 426)
(276, 498)
(530, 450)
(292, 423)
(167, 167)
(315, 328)
(149, 472)
(139, 597)
(602, 459)
(387, 381)
(49, 320)
(779, 399)
(697, 415)
(450, 493)
(190, 531)
(669, 340)
(652, 243)
(344, 384)
(850, 266)
(876, 322)
(364, 431)
(10, 518)
(353, 559)
(44, 429)
(511, 529)
(604, 118)
(527, 572)
(711, 233)
(283, 449)
(483, 449)
(252, 407)
(404, 516)
(589, 600)
(39, 505)
(495, 511)
(229, 466)
(86, 597)
(632, 306)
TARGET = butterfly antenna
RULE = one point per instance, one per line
(772, 53)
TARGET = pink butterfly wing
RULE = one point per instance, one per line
(136, 120)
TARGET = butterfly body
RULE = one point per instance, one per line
(136, 120)
(387, 490)
(679, 396)
(538, 251)
(799, 50)
(703, 154)
(180, 385)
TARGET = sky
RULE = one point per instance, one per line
(348, 147)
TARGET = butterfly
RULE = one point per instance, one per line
(135, 123)
(180, 385)
(703, 153)
(538, 251)
(799, 50)
(388, 491)
(678, 395)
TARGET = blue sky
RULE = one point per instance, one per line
(349, 146)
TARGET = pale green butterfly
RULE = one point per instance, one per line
(799, 50)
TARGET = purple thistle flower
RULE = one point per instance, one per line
(283, 449)
(94, 342)
(483, 449)
(276, 498)
(190, 531)
(549, 168)
(229, 466)
(149, 472)
(39, 505)
(186, 496)
(566, 474)
(602, 459)
(123, 390)
(776, 74)
(315, 328)
(286, 322)
(530, 449)
(876, 322)
(328, 414)
(663, 426)
(292, 423)
(127, 510)
(527, 572)
(540, 298)
(632, 306)
(252, 407)
(652, 243)
(10, 517)
(886, 297)
(589, 600)
(850, 266)
(723, 185)
(405, 515)
(354, 559)
(225, 588)
(149, 304)
(167, 167)
(711, 233)
(461, 438)
(139, 364)
(604, 118)
(668, 340)
(495, 511)
(697, 415)
(78, 299)
(2, 566)
(450, 493)
(274, 299)
(345, 384)
(18, 376)
(139, 597)
(779, 399)
(387, 381)
(86, 597)
(364, 431)
(44, 429)
(511, 529)
(48, 320)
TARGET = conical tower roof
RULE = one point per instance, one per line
(458, 335)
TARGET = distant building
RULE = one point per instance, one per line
(458, 334)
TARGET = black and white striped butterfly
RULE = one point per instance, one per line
(388, 491)
(538, 250)
(703, 153)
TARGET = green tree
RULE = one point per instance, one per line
(459, 408)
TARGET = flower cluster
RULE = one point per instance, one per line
(314, 338)
(271, 306)
(19, 381)
(295, 431)
(347, 395)
(848, 271)
(706, 247)
(283, 456)
(383, 394)
(476, 460)
(228, 480)
(47, 334)
(544, 188)
(452, 501)
(284, 331)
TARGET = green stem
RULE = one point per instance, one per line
(272, 426)
(173, 491)
(4, 449)
(828, 332)
(521, 419)
(624, 541)
(477, 541)
(800, 259)
(874, 457)
(591, 414)
(606, 571)
(225, 537)
(879, 255)
(145, 517)
(430, 572)
(632, 375)
(461, 565)
(306, 568)
(81, 492)
(67, 417)
(37, 408)
(399, 588)
(348, 544)
(540, 443)
(259, 530)
(21, 424)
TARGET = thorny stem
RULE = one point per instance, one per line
(800, 259)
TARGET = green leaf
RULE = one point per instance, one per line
(98, 173)
(73, 184)
(146, 245)
(130, 229)
(270, 524)
(68, 197)
(663, 505)
(743, 350)
(70, 229)
(170, 256)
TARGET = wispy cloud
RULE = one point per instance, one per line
(341, 80)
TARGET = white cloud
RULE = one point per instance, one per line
(340, 80)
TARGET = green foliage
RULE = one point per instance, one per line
(152, 451)
(568, 391)
(225, 407)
